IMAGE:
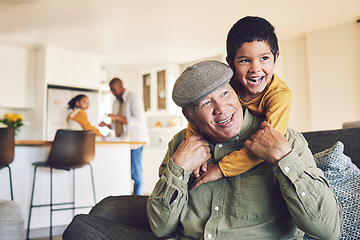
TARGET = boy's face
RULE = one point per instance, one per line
(219, 115)
(254, 67)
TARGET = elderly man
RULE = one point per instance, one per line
(281, 198)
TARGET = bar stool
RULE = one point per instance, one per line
(7, 149)
(70, 150)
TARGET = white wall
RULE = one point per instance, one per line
(293, 70)
(322, 70)
(129, 76)
(334, 75)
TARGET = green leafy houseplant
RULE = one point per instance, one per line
(13, 120)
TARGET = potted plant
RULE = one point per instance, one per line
(13, 120)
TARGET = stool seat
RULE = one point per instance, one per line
(7, 151)
(71, 149)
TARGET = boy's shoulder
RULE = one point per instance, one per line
(277, 84)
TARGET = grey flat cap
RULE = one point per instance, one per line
(199, 80)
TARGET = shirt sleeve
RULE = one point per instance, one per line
(136, 110)
(306, 191)
(238, 162)
(82, 118)
(163, 211)
(278, 109)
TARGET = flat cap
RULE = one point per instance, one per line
(199, 80)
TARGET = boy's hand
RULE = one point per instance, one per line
(212, 173)
(268, 144)
(200, 170)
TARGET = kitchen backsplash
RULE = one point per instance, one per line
(162, 121)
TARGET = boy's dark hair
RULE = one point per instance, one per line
(72, 102)
(250, 29)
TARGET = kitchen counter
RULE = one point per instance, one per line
(112, 176)
(44, 143)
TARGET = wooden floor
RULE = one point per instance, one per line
(43, 233)
(54, 238)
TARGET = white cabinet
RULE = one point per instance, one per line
(156, 88)
(152, 158)
(15, 77)
(70, 68)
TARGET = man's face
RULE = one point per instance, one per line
(117, 89)
(219, 115)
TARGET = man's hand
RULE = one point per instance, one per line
(212, 173)
(268, 144)
(118, 118)
(103, 124)
(192, 152)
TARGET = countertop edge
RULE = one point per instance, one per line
(45, 143)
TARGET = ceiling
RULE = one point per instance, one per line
(138, 33)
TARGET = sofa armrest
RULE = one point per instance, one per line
(114, 217)
(129, 210)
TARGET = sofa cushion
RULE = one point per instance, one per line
(344, 179)
(11, 221)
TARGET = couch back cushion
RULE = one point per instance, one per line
(350, 137)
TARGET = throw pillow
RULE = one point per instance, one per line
(344, 179)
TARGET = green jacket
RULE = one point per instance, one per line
(265, 202)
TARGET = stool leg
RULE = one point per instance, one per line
(51, 202)
(93, 184)
(73, 201)
(31, 205)
(11, 188)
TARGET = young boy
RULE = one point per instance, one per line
(252, 52)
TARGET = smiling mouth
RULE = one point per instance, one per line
(225, 121)
(256, 80)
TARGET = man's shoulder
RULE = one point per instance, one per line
(292, 132)
(177, 139)
(180, 136)
(294, 136)
(129, 94)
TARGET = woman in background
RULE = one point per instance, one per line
(77, 119)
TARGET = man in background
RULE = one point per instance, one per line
(129, 122)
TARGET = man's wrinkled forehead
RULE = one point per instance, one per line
(223, 87)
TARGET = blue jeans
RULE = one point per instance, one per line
(136, 170)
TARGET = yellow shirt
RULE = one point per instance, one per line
(274, 105)
(79, 116)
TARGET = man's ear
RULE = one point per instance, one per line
(188, 116)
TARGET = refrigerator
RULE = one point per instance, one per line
(57, 108)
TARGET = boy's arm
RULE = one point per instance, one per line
(82, 118)
(238, 162)
(277, 110)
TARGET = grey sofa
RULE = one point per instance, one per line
(11, 221)
(125, 217)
